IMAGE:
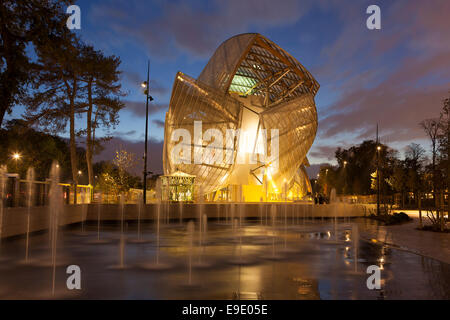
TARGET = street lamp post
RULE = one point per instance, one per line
(378, 180)
(146, 86)
(345, 177)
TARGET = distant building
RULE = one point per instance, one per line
(253, 85)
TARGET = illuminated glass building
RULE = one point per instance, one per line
(253, 85)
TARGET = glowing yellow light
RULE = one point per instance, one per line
(16, 156)
(247, 140)
(224, 178)
(80, 173)
(378, 148)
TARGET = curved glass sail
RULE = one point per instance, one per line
(252, 86)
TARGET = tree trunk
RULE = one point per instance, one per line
(2, 113)
(73, 147)
(441, 222)
(403, 199)
(415, 199)
(448, 165)
(7, 46)
(420, 211)
(433, 180)
(89, 140)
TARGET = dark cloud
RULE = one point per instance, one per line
(159, 123)
(314, 169)
(187, 23)
(135, 79)
(322, 152)
(376, 85)
(397, 103)
(155, 149)
(396, 76)
(138, 108)
(196, 27)
(124, 134)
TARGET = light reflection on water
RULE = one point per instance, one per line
(297, 261)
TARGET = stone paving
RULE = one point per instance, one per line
(405, 236)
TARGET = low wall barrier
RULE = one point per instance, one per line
(14, 221)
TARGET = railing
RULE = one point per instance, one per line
(16, 193)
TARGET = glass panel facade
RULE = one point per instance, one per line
(247, 73)
(177, 188)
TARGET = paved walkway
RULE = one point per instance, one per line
(435, 245)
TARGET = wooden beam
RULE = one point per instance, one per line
(284, 72)
(287, 93)
(280, 74)
(291, 76)
(279, 56)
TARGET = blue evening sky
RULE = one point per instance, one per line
(396, 76)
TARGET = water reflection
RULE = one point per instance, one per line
(293, 260)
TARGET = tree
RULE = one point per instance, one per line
(56, 99)
(113, 179)
(39, 152)
(24, 22)
(101, 76)
(414, 160)
(124, 161)
(444, 140)
(431, 128)
(360, 164)
(444, 149)
(398, 179)
(327, 180)
(438, 130)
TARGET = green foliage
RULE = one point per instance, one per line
(25, 24)
(101, 94)
(414, 164)
(114, 177)
(357, 173)
(37, 149)
(444, 144)
(47, 68)
(361, 163)
(356, 165)
(73, 79)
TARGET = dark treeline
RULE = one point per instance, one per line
(39, 149)
(415, 173)
(58, 78)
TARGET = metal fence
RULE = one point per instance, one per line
(16, 193)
